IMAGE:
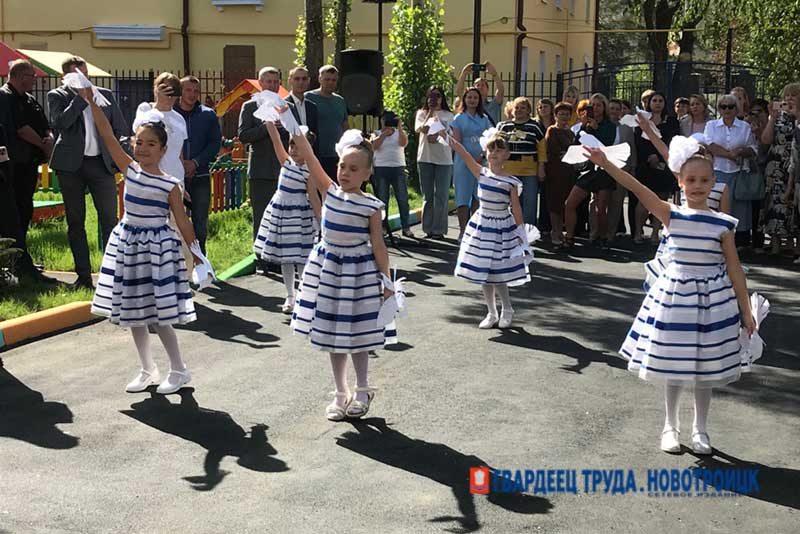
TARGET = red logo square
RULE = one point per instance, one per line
(479, 480)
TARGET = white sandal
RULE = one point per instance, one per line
(337, 412)
(358, 409)
(701, 443)
(670, 442)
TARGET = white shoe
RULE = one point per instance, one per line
(143, 380)
(175, 381)
(358, 409)
(288, 305)
(336, 411)
(670, 441)
(701, 443)
(488, 322)
(505, 319)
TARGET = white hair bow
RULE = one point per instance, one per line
(487, 136)
(349, 138)
(680, 150)
(77, 80)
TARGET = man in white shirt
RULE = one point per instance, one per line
(303, 109)
(83, 161)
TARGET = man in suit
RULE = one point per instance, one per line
(625, 134)
(304, 110)
(263, 166)
(82, 160)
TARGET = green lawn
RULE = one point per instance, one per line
(229, 240)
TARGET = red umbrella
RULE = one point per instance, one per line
(8, 54)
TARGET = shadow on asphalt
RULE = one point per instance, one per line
(374, 439)
(778, 485)
(214, 430)
(225, 325)
(26, 416)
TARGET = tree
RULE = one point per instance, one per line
(313, 50)
(337, 27)
(417, 58)
(622, 47)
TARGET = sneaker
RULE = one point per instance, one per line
(175, 381)
(505, 319)
(488, 322)
(143, 380)
(670, 441)
(701, 444)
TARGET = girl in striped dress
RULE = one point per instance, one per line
(687, 331)
(494, 232)
(341, 291)
(143, 277)
(288, 227)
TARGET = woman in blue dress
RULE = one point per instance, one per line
(468, 126)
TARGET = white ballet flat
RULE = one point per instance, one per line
(175, 380)
(488, 322)
(670, 442)
(701, 443)
(335, 411)
(505, 319)
(288, 305)
(143, 380)
(358, 409)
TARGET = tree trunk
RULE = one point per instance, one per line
(657, 15)
(314, 40)
(341, 31)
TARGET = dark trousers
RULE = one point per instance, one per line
(9, 218)
(93, 175)
(26, 175)
(543, 224)
(199, 188)
(331, 166)
(261, 192)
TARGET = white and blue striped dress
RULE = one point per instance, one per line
(143, 277)
(489, 238)
(340, 290)
(687, 330)
(288, 228)
(656, 266)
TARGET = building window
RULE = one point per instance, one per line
(222, 4)
(572, 7)
(588, 9)
(128, 32)
(524, 62)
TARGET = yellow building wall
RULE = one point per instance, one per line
(28, 23)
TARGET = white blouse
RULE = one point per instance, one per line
(172, 162)
(737, 136)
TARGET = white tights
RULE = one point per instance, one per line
(141, 337)
(489, 291)
(702, 404)
(339, 366)
(288, 271)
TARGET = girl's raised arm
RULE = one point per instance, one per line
(317, 175)
(277, 144)
(121, 159)
(646, 196)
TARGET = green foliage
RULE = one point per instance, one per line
(765, 35)
(417, 56)
(329, 25)
(300, 42)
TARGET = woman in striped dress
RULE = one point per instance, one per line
(143, 277)
(341, 291)
(289, 224)
(494, 232)
(687, 331)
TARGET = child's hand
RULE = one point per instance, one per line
(387, 293)
(197, 261)
(86, 93)
(749, 323)
(281, 109)
(596, 156)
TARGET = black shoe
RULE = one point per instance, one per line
(34, 275)
(83, 282)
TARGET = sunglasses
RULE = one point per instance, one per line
(728, 106)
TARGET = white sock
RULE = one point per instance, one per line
(672, 396)
(287, 270)
(339, 366)
(505, 297)
(141, 337)
(702, 403)
(361, 364)
(170, 341)
(488, 297)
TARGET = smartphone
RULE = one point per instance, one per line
(590, 112)
(479, 67)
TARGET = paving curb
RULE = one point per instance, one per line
(14, 331)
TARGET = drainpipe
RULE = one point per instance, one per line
(185, 37)
(596, 52)
(518, 47)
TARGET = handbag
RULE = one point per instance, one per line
(748, 185)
